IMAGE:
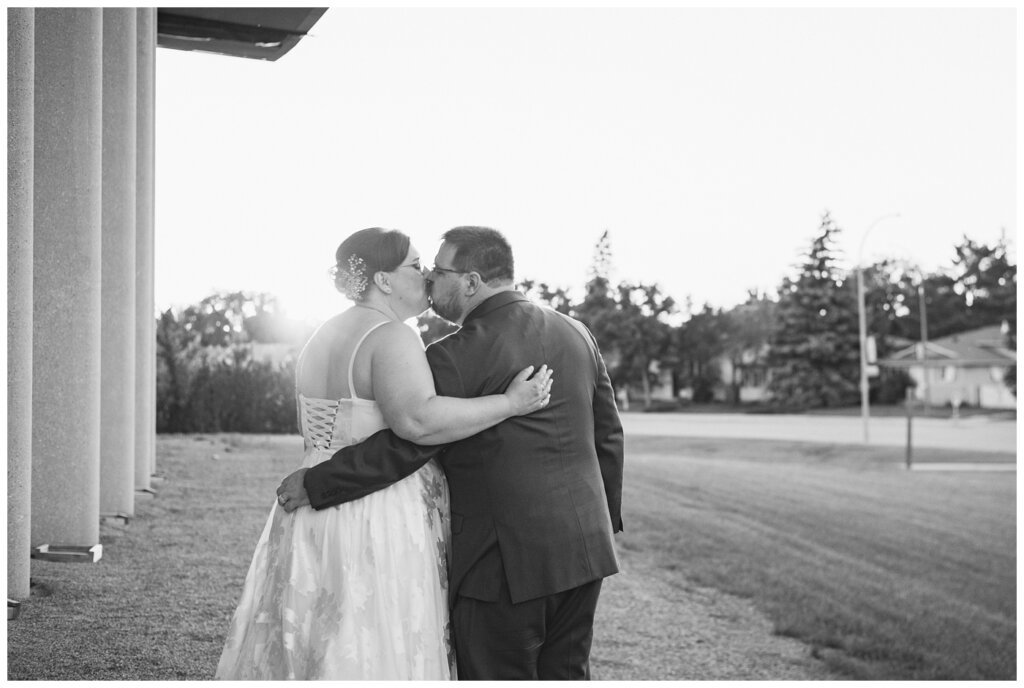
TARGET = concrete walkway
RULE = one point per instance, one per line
(964, 467)
(977, 433)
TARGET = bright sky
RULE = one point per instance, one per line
(708, 141)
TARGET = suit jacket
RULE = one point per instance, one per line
(535, 498)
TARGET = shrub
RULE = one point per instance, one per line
(892, 387)
(224, 389)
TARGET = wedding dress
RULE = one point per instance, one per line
(354, 591)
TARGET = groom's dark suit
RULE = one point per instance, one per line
(534, 499)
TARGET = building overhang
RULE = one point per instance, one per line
(260, 33)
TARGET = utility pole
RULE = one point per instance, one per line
(924, 344)
(862, 323)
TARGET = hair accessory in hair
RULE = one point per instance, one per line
(351, 280)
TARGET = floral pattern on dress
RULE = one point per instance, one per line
(355, 591)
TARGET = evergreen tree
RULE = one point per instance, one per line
(814, 354)
(601, 265)
(598, 309)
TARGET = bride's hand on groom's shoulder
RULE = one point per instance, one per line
(291, 493)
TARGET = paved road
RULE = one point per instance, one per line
(976, 433)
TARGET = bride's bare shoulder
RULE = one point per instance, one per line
(338, 337)
(396, 337)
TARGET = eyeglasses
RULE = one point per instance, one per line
(444, 270)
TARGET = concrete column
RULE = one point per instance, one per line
(20, 61)
(66, 280)
(145, 300)
(117, 387)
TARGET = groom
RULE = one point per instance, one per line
(535, 500)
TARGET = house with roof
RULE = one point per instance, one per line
(743, 375)
(963, 368)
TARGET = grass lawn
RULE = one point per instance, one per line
(885, 574)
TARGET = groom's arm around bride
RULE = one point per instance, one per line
(535, 500)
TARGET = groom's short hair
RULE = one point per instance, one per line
(482, 250)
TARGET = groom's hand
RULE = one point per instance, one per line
(291, 493)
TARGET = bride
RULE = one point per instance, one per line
(359, 590)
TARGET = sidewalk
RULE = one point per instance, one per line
(978, 434)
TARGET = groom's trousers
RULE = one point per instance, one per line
(544, 639)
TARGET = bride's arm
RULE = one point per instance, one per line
(404, 389)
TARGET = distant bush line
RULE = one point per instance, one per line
(226, 390)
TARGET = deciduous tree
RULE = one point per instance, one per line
(745, 332)
(698, 342)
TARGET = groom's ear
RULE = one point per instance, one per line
(473, 282)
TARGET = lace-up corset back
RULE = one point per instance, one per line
(330, 424)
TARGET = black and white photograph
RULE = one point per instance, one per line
(534, 341)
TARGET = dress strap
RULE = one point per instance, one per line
(352, 360)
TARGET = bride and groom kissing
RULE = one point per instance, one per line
(454, 513)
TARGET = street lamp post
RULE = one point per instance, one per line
(862, 325)
(924, 342)
(862, 328)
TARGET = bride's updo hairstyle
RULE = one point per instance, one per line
(363, 255)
